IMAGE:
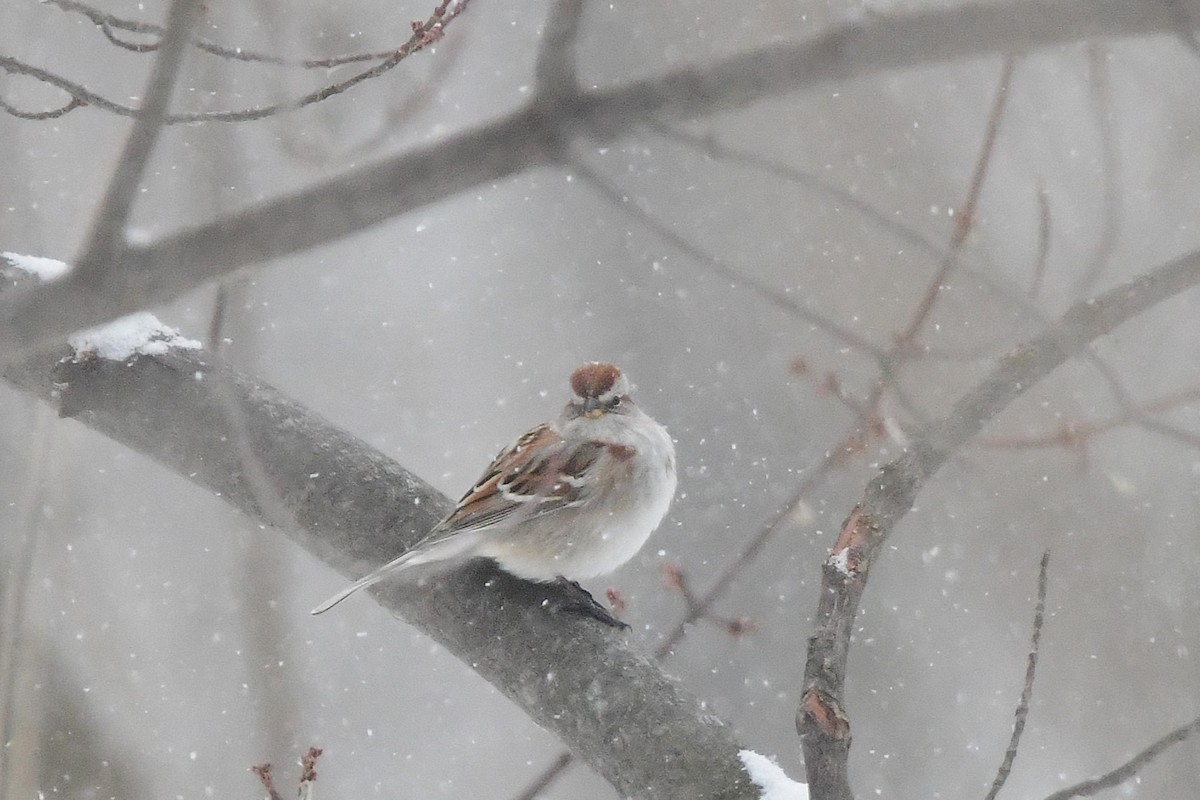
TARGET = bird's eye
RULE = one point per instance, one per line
(616, 401)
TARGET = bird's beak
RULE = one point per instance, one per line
(592, 408)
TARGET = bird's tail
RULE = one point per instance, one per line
(450, 547)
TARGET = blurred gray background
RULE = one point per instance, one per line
(157, 644)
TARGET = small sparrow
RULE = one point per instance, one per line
(569, 500)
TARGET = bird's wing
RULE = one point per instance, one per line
(537, 474)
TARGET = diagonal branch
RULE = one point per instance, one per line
(533, 136)
(822, 720)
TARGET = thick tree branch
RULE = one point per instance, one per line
(534, 136)
(356, 508)
(822, 720)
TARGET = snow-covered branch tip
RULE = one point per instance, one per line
(44, 269)
(768, 776)
(137, 334)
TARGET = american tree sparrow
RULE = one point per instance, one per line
(569, 500)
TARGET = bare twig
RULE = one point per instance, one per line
(308, 772)
(424, 34)
(1100, 95)
(54, 113)
(263, 771)
(822, 720)
(1039, 619)
(13, 602)
(1043, 249)
(1074, 434)
(107, 237)
(965, 218)
(677, 580)
(548, 776)
(838, 196)
(775, 297)
(1131, 767)
(266, 495)
(108, 23)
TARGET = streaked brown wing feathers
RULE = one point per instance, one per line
(533, 476)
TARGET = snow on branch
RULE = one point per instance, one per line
(137, 334)
(45, 269)
(768, 776)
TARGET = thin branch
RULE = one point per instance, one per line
(965, 218)
(23, 540)
(1039, 620)
(555, 69)
(1043, 249)
(714, 148)
(1173, 432)
(263, 772)
(822, 719)
(107, 237)
(271, 507)
(54, 113)
(1100, 97)
(80, 94)
(548, 776)
(677, 581)
(779, 299)
(1131, 767)
(1074, 434)
(107, 23)
(424, 34)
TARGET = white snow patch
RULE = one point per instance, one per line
(48, 269)
(139, 333)
(841, 561)
(773, 781)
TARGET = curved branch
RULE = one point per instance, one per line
(822, 721)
